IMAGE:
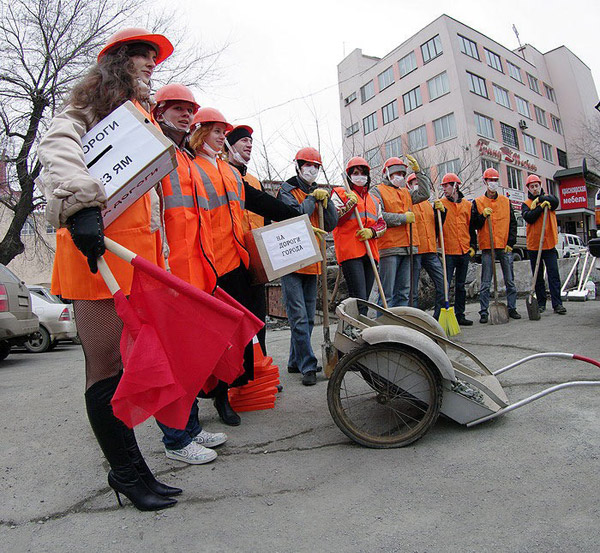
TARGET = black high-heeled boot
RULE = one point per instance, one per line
(226, 412)
(142, 468)
(123, 477)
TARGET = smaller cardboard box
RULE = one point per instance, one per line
(282, 248)
(129, 154)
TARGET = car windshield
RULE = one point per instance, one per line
(45, 294)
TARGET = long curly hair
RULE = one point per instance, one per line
(110, 82)
(199, 136)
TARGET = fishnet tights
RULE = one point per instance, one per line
(99, 328)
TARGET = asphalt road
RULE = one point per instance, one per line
(289, 480)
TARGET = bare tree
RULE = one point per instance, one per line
(45, 47)
(587, 143)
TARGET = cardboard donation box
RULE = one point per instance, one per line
(129, 154)
(282, 248)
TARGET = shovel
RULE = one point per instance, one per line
(329, 354)
(498, 310)
(533, 310)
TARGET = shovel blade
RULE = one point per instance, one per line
(533, 310)
(329, 355)
(498, 313)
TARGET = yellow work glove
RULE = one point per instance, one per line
(413, 163)
(534, 203)
(410, 217)
(438, 204)
(365, 234)
(545, 204)
(352, 197)
(321, 195)
(507, 249)
(487, 211)
(471, 252)
(320, 233)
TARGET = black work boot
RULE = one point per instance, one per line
(225, 410)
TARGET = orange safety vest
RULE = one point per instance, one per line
(347, 245)
(315, 268)
(71, 276)
(226, 198)
(500, 221)
(187, 225)
(425, 222)
(396, 200)
(252, 220)
(534, 231)
(457, 239)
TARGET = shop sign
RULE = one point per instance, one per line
(504, 154)
(516, 197)
(573, 193)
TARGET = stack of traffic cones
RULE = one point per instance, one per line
(258, 393)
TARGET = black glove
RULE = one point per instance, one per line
(87, 231)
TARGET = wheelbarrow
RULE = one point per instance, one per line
(395, 377)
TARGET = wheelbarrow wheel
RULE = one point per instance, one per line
(384, 395)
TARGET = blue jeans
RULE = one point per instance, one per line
(359, 278)
(550, 260)
(300, 295)
(506, 262)
(460, 264)
(432, 264)
(178, 439)
(394, 271)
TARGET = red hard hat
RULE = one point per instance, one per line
(394, 161)
(411, 177)
(531, 179)
(450, 178)
(210, 115)
(308, 154)
(357, 161)
(175, 92)
(491, 173)
(132, 34)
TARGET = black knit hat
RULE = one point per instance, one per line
(238, 133)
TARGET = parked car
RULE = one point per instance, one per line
(57, 322)
(569, 245)
(17, 320)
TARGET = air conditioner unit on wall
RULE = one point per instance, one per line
(522, 124)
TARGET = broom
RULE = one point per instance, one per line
(447, 318)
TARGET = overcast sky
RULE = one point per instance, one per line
(279, 72)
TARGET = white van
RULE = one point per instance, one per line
(569, 245)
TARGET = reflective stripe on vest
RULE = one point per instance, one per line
(214, 200)
(178, 199)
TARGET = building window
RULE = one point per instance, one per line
(452, 166)
(551, 187)
(367, 92)
(386, 78)
(393, 148)
(556, 124)
(28, 228)
(509, 135)
(562, 158)
(546, 151)
(438, 86)
(485, 126)
(502, 97)
(550, 93)
(523, 106)
(540, 116)
(350, 99)
(431, 49)
(417, 139)
(373, 157)
(514, 71)
(468, 47)
(407, 64)
(370, 123)
(444, 127)
(412, 99)
(529, 144)
(50, 229)
(390, 112)
(515, 178)
(352, 129)
(493, 60)
(477, 85)
(489, 164)
(533, 83)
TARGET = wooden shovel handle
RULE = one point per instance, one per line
(539, 254)
(324, 274)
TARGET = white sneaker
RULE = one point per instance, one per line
(193, 453)
(210, 439)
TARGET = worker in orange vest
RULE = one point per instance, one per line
(300, 288)
(228, 196)
(532, 210)
(492, 206)
(74, 202)
(460, 241)
(349, 239)
(185, 212)
(427, 257)
(394, 246)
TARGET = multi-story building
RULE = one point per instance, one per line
(460, 102)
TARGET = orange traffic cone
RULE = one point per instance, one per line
(258, 393)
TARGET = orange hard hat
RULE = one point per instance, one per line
(135, 34)
(532, 179)
(311, 155)
(357, 161)
(450, 178)
(210, 115)
(394, 161)
(175, 92)
(491, 173)
(411, 177)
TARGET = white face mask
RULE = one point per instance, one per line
(235, 156)
(492, 185)
(397, 180)
(309, 173)
(209, 150)
(359, 180)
